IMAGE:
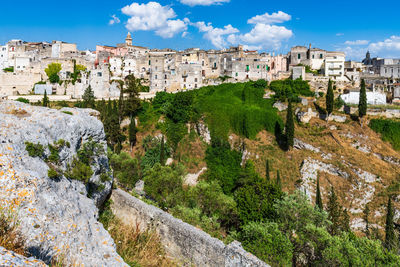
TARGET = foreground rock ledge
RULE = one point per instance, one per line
(56, 217)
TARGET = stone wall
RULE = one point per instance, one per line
(182, 241)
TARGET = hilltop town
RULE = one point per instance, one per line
(23, 65)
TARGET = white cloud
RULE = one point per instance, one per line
(339, 34)
(390, 46)
(203, 2)
(357, 42)
(278, 17)
(263, 36)
(215, 35)
(153, 17)
(114, 20)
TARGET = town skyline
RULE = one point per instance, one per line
(197, 23)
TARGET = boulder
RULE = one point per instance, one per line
(10, 258)
(57, 217)
(280, 106)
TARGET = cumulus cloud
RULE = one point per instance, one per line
(276, 17)
(203, 2)
(266, 36)
(357, 42)
(153, 17)
(389, 47)
(114, 20)
(215, 35)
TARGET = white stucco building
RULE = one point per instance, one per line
(373, 98)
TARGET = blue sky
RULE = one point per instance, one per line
(351, 26)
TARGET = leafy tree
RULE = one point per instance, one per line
(255, 197)
(132, 133)
(267, 171)
(223, 164)
(164, 184)
(132, 102)
(329, 98)
(181, 108)
(267, 242)
(289, 127)
(126, 169)
(45, 101)
(362, 105)
(52, 71)
(88, 98)
(296, 218)
(390, 236)
(318, 198)
(212, 201)
(334, 211)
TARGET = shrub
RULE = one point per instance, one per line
(9, 69)
(10, 237)
(195, 216)
(223, 165)
(164, 184)
(52, 173)
(23, 100)
(80, 171)
(126, 169)
(54, 157)
(34, 150)
(267, 242)
(389, 130)
(67, 112)
(289, 89)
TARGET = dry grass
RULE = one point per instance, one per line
(10, 237)
(138, 248)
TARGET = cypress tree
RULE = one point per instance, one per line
(132, 133)
(267, 171)
(345, 221)
(289, 127)
(362, 104)
(278, 180)
(88, 98)
(318, 198)
(390, 237)
(162, 152)
(333, 212)
(132, 101)
(366, 220)
(121, 103)
(45, 99)
(329, 98)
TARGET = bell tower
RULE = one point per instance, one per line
(128, 40)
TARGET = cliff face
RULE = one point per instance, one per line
(57, 217)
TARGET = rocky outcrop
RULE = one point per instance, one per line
(10, 258)
(181, 241)
(56, 216)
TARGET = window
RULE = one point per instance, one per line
(237, 74)
(202, 63)
(215, 65)
(156, 77)
(247, 67)
(313, 56)
(195, 86)
(320, 55)
(99, 74)
(195, 80)
(258, 66)
(149, 62)
(298, 56)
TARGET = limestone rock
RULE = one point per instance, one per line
(192, 178)
(10, 258)
(56, 215)
(305, 117)
(280, 106)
